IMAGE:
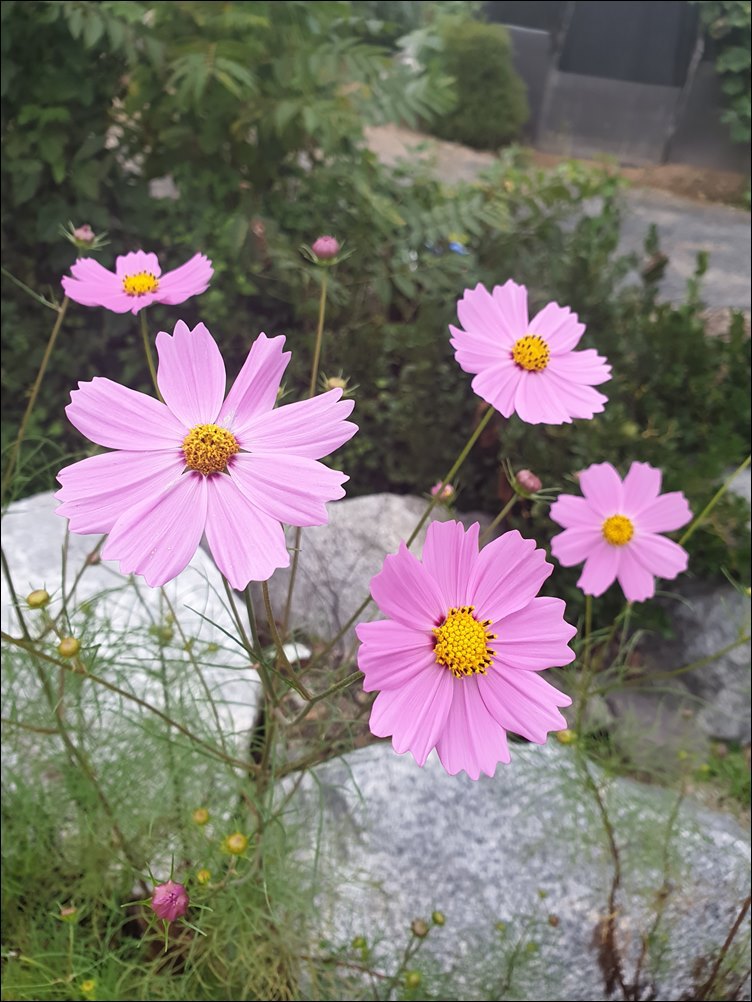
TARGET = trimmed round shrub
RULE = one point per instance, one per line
(491, 97)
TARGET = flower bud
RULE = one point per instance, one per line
(445, 493)
(69, 913)
(412, 979)
(336, 383)
(68, 647)
(203, 876)
(528, 481)
(38, 598)
(170, 901)
(359, 943)
(236, 844)
(438, 918)
(419, 928)
(200, 816)
(84, 235)
(88, 987)
(565, 737)
(326, 247)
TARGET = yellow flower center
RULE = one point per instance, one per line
(462, 643)
(531, 352)
(617, 530)
(140, 284)
(207, 448)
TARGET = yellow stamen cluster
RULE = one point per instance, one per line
(531, 352)
(140, 284)
(617, 530)
(207, 448)
(462, 643)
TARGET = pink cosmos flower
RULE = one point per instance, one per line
(457, 660)
(527, 366)
(233, 467)
(170, 901)
(136, 282)
(615, 529)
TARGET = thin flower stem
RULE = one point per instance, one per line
(29, 291)
(587, 662)
(149, 353)
(486, 534)
(282, 659)
(16, 448)
(697, 522)
(414, 534)
(702, 992)
(337, 687)
(311, 392)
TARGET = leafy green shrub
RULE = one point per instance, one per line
(728, 23)
(491, 103)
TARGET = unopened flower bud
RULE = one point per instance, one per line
(326, 247)
(419, 928)
(528, 481)
(84, 235)
(412, 979)
(68, 647)
(200, 816)
(69, 913)
(359, 943)
(565, 737)
(170, 901)
(445, 493)
(203, 876)
(88, 987)
(236, 844)
(438, 918)
(336, 383)
(38, 598)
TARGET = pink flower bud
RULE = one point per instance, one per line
(326, 247)
(170, 901)
(84, 234)
(446, 494)
(528, 481)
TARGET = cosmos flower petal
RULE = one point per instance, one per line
(480, 314)
(559, 327)
(292, 489)
(475, 352)
(254, 392)
(311, 428)
(191, 374)
(498, 385)
(472, 740)
(571, 512)
(135, 262)
(538, 401)
(523, 703)
(601, 485)
(583, 402)
(449, 556)
(511, 302)
(96, 491)
(662, 557)
(415, 713)
(507, 575)
(585, 367)
(246, 543)
(637, 583)
(600, 569)
(665, 514)
(405, 591)
(575, 545)
(120, 418)
(391, 655)
(641, 487)
(536, 637)
(158, 537)
(190, 279)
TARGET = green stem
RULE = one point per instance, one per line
(487, 532)
(282, 659)
(29, 291)
(149, 353)
(587, 661)
(337, 687)
(413, 536)
(697, 522)
(311, 392)
(16, 448)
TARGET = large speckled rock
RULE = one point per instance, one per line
(519, 866)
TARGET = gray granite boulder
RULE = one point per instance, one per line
(519, 866)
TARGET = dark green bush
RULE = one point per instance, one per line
(491, 103)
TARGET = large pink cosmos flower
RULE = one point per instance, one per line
(615, 529)
(233, 467)
(136, 282)
(456, 662)
(527, 366)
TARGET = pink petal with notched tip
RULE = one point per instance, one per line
(637, 583)
(480, 315)
(600, 569)
(659, 555)
(498, 385)
(641, 487)
(120, 418)
(158, 537)
(476, 351)
(667, 513)
(538, 401)
(190, 279)
(415, 713)
(511, 303)
(136, 262)
(507, 575)
(523, 703)
(311, 428)
(254, 392)
(586, 368)
(191, 374)
(558, 327)
(449, 556)
(247, 545)
(601, 485)
(472, 740)
(96, 491)
(291, 489)
(405, 591)
(536, 637)
(392, 653)
(575, 545)
(573, 513)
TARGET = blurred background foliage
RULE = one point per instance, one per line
(249, 118)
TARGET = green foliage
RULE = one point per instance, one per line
(491, 105)
(728, 22)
